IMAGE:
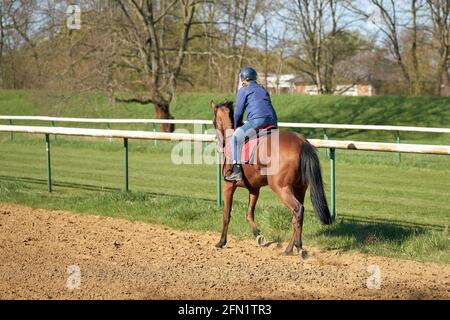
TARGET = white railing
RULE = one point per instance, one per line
(209, 122)
(127, 134)
(109, 133)
(105, 120)
(131, 134)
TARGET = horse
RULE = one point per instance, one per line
(298, 167)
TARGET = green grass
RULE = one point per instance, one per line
(409, 111)
(384, 207)
(391, 209)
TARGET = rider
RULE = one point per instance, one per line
(255, 101)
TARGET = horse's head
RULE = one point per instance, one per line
(223, 120)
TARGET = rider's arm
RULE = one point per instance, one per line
(240, 107)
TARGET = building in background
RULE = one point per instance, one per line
(293, 84)
(305, 86)
(355, 90)
(283, 83)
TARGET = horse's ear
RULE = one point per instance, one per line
(213, 105)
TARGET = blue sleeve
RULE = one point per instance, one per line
(240, 107)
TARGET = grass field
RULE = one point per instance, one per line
(411, 111)
(388, 208)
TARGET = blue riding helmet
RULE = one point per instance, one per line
(248, 74)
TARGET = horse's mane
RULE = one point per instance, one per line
(229, 105)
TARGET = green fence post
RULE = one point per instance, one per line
(333, 183)
(53, 125)
(12, 133)
(155, 142)
(219, 179)
(109, 128)
(399, 155)
(125, 146)
(49, 162)
(325, 136)
(205, 131)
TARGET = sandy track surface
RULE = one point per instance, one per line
(119, 259)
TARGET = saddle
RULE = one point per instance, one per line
(249, 148)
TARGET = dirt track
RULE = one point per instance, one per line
(132, 260)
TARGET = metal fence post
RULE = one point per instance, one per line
(12, 133)
(53, 125)
(333, 183)
(49, 162)
(109, 128)
(325, 136)
(219, 178)
(155, 142)
(205, 131)
(399, 155)
(125, 145)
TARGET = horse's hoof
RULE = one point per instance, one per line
(286, 254)
(219, 245)
(261, 240)
(303, 254)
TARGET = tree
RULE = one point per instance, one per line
(392, 18)
(439, 11)
(5, 7)
(238, 24)
(320, 30)
(154, 37)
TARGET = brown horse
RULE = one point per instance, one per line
(298, 166)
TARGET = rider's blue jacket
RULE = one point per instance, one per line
(255, 101)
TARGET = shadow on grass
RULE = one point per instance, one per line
(89, 187)
(361, 234)
(384, 221)
(363, 230)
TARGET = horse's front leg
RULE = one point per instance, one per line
(252, 200)
(228, 192)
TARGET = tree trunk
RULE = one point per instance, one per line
(416, 83)
(162, 112)
(2, 39)
(443, 76)
(444, 86)
(266, 52)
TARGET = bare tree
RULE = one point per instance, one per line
(439, 11)
(237, 26)
(23, 19)
(417, 81)
(5, 8)
(320, 29)
(392, 18)
(27, 27)
(155, 36)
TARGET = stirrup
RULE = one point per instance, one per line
(236, 175)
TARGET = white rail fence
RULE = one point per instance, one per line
(146, 135)
(332, 145)
(209, 122)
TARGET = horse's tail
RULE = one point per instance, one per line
(310, 168)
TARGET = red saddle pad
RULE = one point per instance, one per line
(248, 149)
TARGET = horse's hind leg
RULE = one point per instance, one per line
(290, 201)
(299, 193)
(228, 192)
(253, 198)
